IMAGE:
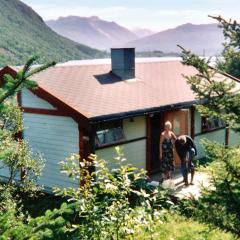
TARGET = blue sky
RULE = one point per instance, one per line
(153, 14)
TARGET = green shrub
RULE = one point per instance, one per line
(219, 204)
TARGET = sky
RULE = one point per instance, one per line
(152, 14)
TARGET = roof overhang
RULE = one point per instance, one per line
(141, 112)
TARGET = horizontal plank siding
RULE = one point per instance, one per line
(134, 152)
(135, 128)
(55, 138)
(30, 100)
(216, 135)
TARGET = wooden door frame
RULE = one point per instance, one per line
(149, 134)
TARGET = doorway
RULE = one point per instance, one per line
(179, 120)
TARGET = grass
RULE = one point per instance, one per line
(180, 228)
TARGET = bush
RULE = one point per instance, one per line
(220, 203)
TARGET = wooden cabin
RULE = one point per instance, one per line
(92, 106)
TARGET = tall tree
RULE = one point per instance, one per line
(218, 96)
(229, 60)
(15, 153)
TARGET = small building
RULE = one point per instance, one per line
(92, 106)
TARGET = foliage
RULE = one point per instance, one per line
(108, 206)
(15, 154)
(230, 59)
(217, 96)
(222, 199)
(103, 209)
(24, 33)
(181, 228)
(115, 204)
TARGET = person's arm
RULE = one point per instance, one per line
(173, 136)
(160, 146)
(192, 144)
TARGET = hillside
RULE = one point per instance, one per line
(23, 33)
(201, 39)
(143, 32)
(93, 31)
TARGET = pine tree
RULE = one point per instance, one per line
(229, 60)
(15, 153)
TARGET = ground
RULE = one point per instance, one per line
(177, 185)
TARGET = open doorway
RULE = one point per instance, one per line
(179, 120)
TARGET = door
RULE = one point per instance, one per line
(179, 120)
(154, 128)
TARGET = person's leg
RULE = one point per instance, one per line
(192, 175)
(191, 165)
(184, 171)
(186, 178)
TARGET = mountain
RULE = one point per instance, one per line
(93, 31)
(23, 33)
(143, 32)
(203, 39)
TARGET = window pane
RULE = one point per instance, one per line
(118, 132)
(211, 123)
(108, 136)
(177, 125)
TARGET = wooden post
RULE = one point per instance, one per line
(81, 151)
(192, 122)
(149, 143)
(226, 136)
(85, 148)
(19, 136)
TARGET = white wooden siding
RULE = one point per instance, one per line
(134, 129)
(32, 101)
(55, 138)
(217, 135)
(134, 152)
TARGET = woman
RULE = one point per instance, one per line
(166, 150)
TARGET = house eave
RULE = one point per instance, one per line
(141, 112)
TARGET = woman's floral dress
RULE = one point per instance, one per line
(167, 162)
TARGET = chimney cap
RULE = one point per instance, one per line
(123, 48)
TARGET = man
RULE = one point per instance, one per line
(186, 150)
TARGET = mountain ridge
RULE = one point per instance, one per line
(203, 39)
(23, 33)
(93, 30)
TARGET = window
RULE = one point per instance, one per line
(109, 133)
(209, 124)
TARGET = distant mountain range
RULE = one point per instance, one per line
(23, 33)
(143, 32)
(92, 31)
(203, 39)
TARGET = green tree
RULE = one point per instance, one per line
(229, 60)
(15, 154)
(218, 97)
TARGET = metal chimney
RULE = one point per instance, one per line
(123, 62)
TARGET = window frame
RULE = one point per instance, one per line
(106, 126)
(205, 119)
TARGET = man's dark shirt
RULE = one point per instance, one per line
(183, 149)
